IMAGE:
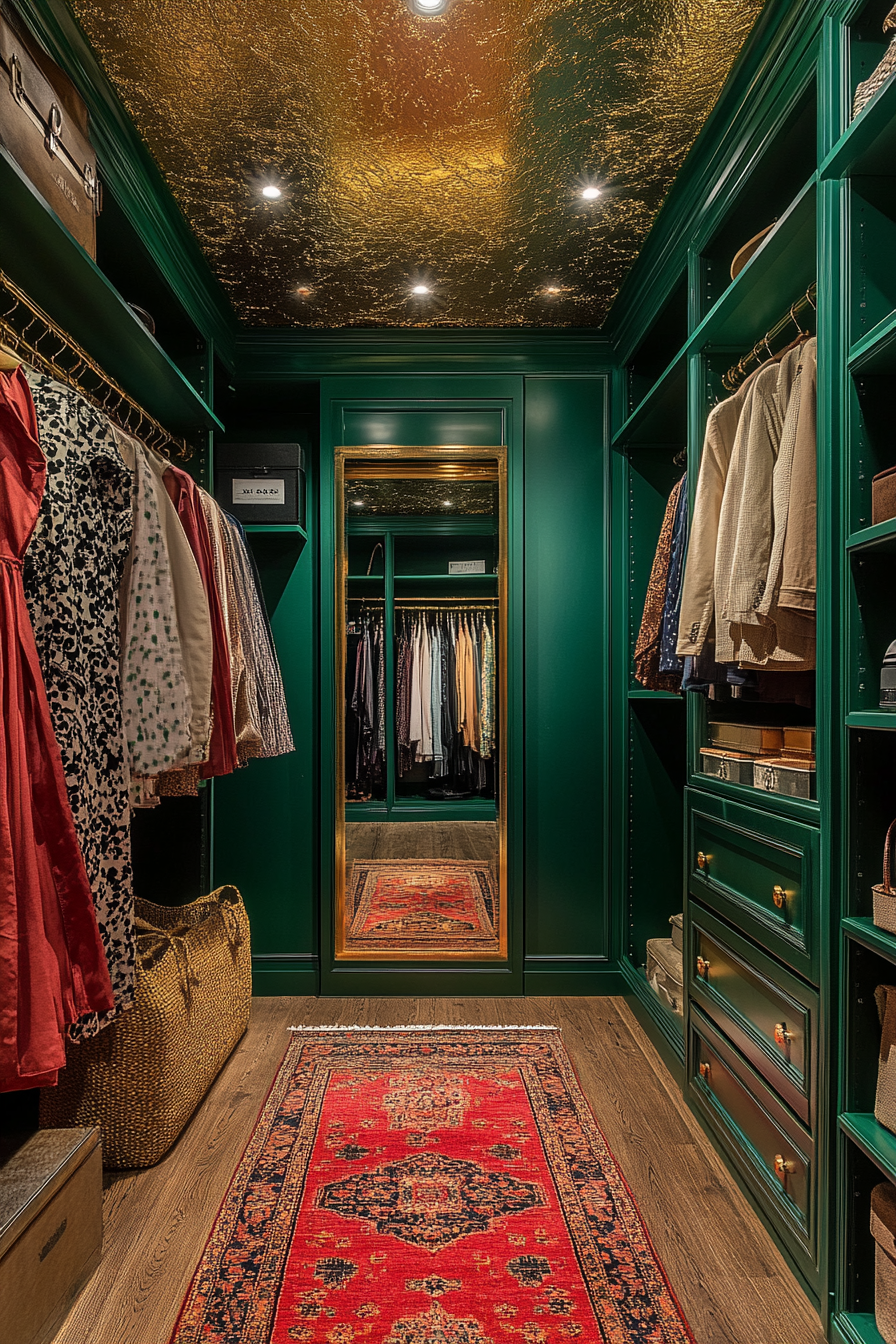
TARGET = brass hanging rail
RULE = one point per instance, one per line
(767, 348)
(420, 604)
(32, 336)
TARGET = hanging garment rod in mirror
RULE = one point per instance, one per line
(421, 604)
(767, 348)
(32, 336)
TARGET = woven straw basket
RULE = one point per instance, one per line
(882, 72)
(883, 893)
(885, 1101)
(142, 1077)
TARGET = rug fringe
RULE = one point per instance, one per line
(436, 1026)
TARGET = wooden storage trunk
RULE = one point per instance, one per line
(51, 1228)
(44, 127)
(760, 739)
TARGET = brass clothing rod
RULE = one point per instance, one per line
(766, 349)
(421, 604)
(32, 335)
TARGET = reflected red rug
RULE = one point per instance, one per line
(432, 903)
(428, 1187)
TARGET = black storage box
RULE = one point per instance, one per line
(261, 482)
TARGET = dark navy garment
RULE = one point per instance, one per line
(669, 659)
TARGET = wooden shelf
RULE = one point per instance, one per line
(661, 417)
(879, 719)
(450, 578)
(868, 145)
(880, 537)
(875, 353)
(642, 693)
(854, 1327)
(875, 1141)
(862, 929)
(41, 255)
(784, 264)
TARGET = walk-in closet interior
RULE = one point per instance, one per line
(447, 572)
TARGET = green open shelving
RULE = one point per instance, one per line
(876, 1142)
(784, 265)
(658, 418)
(878, 719)
(863, 930)
(855, 1327)
(879, 537)
(868, 145)
(875, 353)
(41, 256)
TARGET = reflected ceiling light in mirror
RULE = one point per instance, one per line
(271, 193)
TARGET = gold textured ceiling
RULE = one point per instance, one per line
(447, 151)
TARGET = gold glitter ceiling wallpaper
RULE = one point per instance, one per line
(445, 152)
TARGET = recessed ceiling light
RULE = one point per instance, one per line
(553, 289)
(429, 6)
(421, 289)
(590, 193)
(304, 291)
(446, 503)
(271, 193)
(358, 503)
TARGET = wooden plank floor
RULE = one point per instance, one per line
(733, 1285)
(422, 840)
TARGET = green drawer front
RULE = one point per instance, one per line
(758, 870)
(761, 1007)
(774, 1155)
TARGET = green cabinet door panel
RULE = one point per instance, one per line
(567, 671)
(265, 816)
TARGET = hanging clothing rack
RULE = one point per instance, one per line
(420, 604)
(32, 336)
(766, 348)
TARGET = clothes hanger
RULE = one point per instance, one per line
(9, 360)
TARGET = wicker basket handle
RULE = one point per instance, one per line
(888, 856)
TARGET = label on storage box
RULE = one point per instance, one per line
(264, 491)
(466, 566)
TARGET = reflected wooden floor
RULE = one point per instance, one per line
(733, 1285)
(421, 840)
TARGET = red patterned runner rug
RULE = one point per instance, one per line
(433, 904)
(445, 1186)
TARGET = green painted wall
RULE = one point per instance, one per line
(566, 676)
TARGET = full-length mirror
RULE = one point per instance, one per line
(421, 653)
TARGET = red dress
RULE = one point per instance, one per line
(184, 493)
(52, 965)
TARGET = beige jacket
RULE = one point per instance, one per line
(780, 633)
(698, 589)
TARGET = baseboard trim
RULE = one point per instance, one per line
(572, 977)
(285, 976)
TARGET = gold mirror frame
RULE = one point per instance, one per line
(461, 463)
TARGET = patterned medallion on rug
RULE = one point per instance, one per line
(400, 904)
(428, 1187)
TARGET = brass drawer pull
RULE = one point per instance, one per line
(782, 1036)
(705, 1071)
(783, 1168)
(702, 860)
(702, 967)
(779, 895)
